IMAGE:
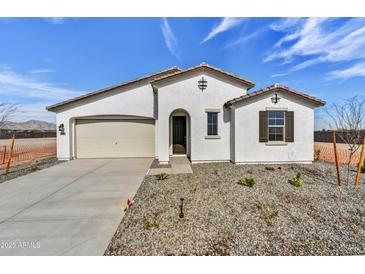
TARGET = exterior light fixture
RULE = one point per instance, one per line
(61, 129)
(275, 98)
(181, 215)
(202, 84)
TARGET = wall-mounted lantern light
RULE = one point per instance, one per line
(61, 129)
(275, 98)
(202, 84)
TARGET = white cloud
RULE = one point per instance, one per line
(299, 66)
(40, 71)
(288, 25)
(31, 94)
(357, 70)
(226, 24)
(244, 39)
(285, 23)
(55, 20)
(320, 40)
(34, 112)
(170, 39)
(279, 74)
(24, 86)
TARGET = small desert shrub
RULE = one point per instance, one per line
(317, 154)
(149, 223)
(162, 176)
(193, 190)
(266, 213)
(297, 180)
(247, 181)
(34, 168)
(363, 167)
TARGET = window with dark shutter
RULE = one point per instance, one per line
(289, 126)
(276, 126)
(263, 127)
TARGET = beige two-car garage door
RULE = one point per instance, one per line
(97, 138)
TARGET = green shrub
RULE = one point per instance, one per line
(162, 176)
(317, 154)
(297, 180)
(363, 167)
(266, 213)
(150, 223)
(34, 168)
(247, 181)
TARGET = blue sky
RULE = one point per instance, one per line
(47, 60)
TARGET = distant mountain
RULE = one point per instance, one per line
(30, 125)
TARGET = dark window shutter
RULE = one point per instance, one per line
(289, 126)
(263, 127)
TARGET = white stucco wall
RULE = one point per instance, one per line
(136, 100)
(248, 149)
(184, 94)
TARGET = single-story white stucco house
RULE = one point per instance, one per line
(202, 112)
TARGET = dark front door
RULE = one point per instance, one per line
(179, 135)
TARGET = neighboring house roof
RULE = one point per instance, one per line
(206, 67)
(276, 87)
(111, 88)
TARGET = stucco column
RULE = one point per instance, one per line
(163, 139)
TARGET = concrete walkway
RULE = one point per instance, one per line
(69, 209)
(179, 165)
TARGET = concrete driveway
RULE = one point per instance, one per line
(72, 208)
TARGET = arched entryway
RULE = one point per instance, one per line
(180, 141)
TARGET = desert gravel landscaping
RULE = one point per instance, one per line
(223, 217)
(28, 167)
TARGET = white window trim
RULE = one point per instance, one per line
(276, 109)
(212, 110)
(213, 136)
(276, 142)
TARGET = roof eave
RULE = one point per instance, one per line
(247, 83)
(316, 102)
(57, 106)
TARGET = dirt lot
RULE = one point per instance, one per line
(222, 217)
(28, 167)
(29, 141)
(26, 150)
(327, 153)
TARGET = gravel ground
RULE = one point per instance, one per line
(224, 218)
(23, 169)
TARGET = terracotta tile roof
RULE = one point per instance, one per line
(206, 67)
(277, 87)
(111, 88)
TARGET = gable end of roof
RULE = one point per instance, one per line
(317, 102)
(209, 68)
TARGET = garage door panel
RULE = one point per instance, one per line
(115, 138)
